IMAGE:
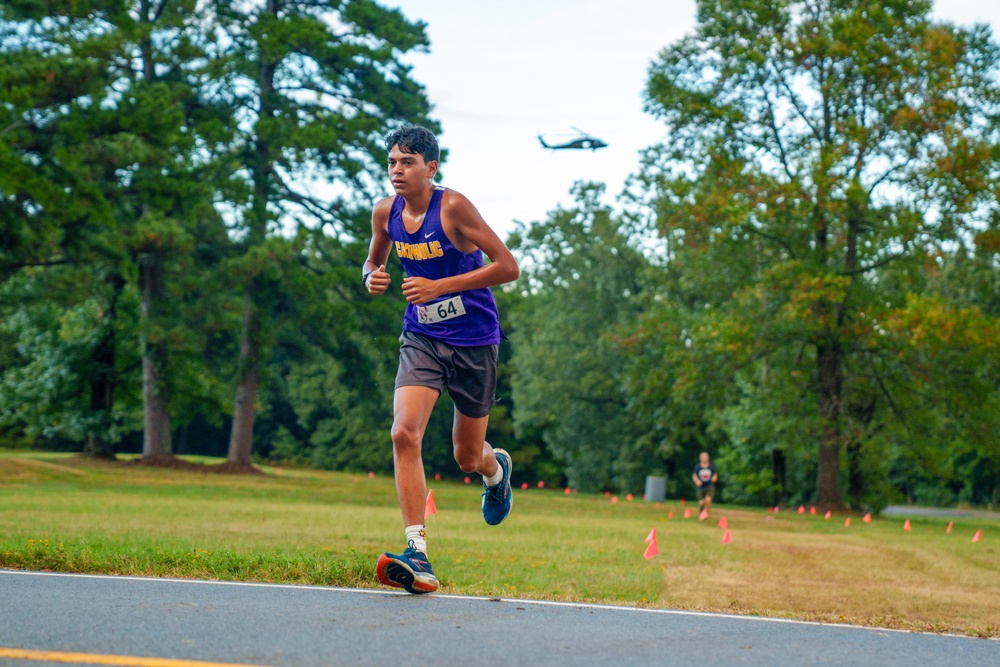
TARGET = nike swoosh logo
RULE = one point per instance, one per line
(427, 236)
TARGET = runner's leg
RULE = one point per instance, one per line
(412, 406)
(472, 452)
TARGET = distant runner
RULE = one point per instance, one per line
(705, 477)
(451, 336)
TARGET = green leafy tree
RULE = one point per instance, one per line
(328, 401)
(108, 147)
(127, 120)
(55, 148)
(66, 358)
(579, 281)
(820, 155)
(170, 191)
(314, 87)
(948, 399)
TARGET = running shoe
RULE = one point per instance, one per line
(411, 571)
(497, 500)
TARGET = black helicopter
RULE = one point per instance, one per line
(582, 141)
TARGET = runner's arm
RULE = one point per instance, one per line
(468, 231)
(374, 275)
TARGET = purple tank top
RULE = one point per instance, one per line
(428, 253)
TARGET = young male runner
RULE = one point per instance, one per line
(705, 477)
(451, 335)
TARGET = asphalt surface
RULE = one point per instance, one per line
(261, 624)
(941, 512)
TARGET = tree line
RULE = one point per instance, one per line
(802, 278)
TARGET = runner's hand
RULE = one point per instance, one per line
(379, 281)
(419, 290)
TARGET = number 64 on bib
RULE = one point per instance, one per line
(441, 311)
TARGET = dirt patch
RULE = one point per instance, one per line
(174, 463)
(230, 468)
(167, 461)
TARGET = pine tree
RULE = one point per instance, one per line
(315, 86)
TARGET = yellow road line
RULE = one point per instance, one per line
(101, 659)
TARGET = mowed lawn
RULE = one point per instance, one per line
(62, 513)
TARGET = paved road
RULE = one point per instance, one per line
(942, 512)
(261, 624)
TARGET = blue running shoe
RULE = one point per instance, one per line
(411, 571)
(497, 500)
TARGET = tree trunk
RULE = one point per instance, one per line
(156, 420)
(156, 441)
(830, 362)
(102, 391)
(862, 413)
(102, 383)
(779, 469)
(241, 435)
(673, 486)
(855, 475)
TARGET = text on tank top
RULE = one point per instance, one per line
(462, 319)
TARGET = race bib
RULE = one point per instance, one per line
(441, 311)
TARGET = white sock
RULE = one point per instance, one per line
(416, 537)
(496, 478)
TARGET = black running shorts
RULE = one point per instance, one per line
(468, 373)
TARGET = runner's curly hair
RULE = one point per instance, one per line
(415, 139)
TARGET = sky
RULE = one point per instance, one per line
(500, 73)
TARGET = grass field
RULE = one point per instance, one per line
(58, 512)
